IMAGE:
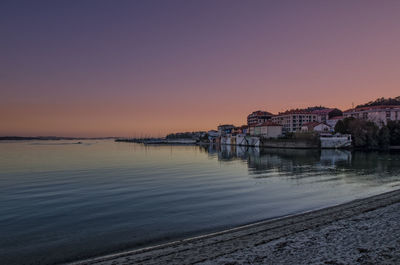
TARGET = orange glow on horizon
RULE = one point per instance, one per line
(131, 69)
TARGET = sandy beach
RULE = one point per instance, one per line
(363, 231)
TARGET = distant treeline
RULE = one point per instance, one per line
(367, 135)
(186, 135)
(382, 102)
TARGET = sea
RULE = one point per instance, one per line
(63, 201)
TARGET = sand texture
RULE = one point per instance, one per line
(365, 231)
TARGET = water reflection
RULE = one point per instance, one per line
(101, 197)
(356, 166)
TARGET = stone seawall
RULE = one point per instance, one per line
(290, 143)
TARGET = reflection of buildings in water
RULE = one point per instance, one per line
(285, 161)
(225, 153)
(212, 149)
(372, 168)
(241, 152)
(233, 152)
(369, 168)
(333, 156)
(260, 160)
(254, 151)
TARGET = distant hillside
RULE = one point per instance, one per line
(315, 108)
(382, 102)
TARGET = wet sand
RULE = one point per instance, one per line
(364, 231)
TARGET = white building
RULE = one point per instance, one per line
(378, 114)
(315, 127)
(324, 115)
(267, 129)
(293, 120)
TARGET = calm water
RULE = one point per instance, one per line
(62, 201)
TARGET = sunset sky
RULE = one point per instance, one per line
(129, 68)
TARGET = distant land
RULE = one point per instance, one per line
(382, 102)
(48, 138)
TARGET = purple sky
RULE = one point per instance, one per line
(98, 68)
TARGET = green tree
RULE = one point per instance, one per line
(384, 137)
(340, 127)
(394, 132)
(372, 135)
(358, 132)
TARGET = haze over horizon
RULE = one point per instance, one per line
(102, 68)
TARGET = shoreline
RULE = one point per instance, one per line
(207, 248)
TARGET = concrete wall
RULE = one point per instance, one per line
(289, 143)
(271, 131)
(241, 139)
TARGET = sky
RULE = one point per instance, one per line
(147, 68)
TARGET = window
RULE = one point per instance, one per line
(388, 115)
(365, 115)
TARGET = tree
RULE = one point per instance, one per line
(394, 132)
(340, 127)
(358, 132)
(365, 134)
(384, 137)
(372, 135)
(335, 113)
(382, 102)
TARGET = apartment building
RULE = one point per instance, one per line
(258, 117)
(378, 114)
(293, 120)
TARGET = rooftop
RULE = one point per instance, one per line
(260, 112)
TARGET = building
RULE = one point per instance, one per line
(267, 129)
(225, 129)
(212, 135)
(323, 115)
(258, 117)
(293, 120)
(378, 114)
(240, 130)
(244, 129)
(332, 121)
(315, 126)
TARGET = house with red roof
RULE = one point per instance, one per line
(323, 115)
(315, 127)
(257, 117)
